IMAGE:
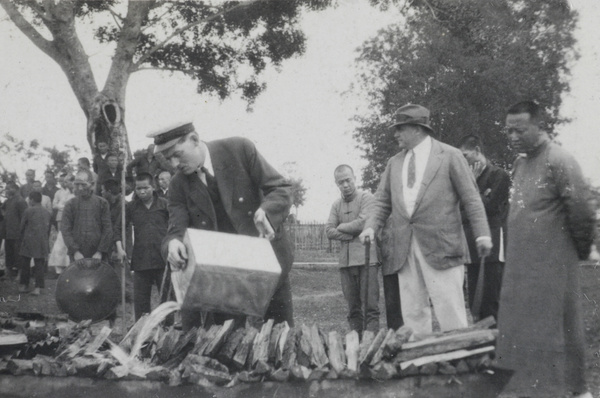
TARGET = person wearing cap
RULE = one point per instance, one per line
(421, 188)
(227, 186)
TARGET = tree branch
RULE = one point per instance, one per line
(28, 30)
(39, 11)
(115, 16)
(179, 31)
(185, 71)
(158, 18)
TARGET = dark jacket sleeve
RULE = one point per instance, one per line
(178, 213)
(574, 194)
(276, 190)
(495, 195)
(106, 237)
(66, 227)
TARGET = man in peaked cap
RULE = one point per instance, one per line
(226, 186)
(421, 188)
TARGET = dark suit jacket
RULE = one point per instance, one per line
(436, 220)
(246, 182)
(494, 185)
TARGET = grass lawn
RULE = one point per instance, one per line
(318, 299)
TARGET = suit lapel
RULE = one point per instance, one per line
(400, 184)
(433, 164)
(199, 195)
(224, 178)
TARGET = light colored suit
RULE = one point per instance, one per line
(429, 245)
(436, 221)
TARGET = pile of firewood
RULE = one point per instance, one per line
(224, 355)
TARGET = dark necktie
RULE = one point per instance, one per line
(211, 184)
(412, 173)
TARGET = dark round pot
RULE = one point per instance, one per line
(88, 289)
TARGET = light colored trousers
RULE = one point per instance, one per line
(419, 283)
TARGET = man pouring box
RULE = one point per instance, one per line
(229, 273)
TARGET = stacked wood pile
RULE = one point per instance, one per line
(222, 355)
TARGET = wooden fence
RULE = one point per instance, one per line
(311, 236)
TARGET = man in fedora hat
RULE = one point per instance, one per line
(226, 186)
(421, 188)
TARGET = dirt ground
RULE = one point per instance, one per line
(318, 299)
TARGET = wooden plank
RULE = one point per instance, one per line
(352, 351)
(337, 357)
(304, 351)
(273, 342)
(288, 356)
(98, 340)
(8, 337)
(219, 339)
(367, 338)
(446, 344)
(260, 348)
(379, 353)
(448, 356)
(373, 347)
(281, 344)
(318, 356)
(207, 338)
(243, 350)
(226, 353)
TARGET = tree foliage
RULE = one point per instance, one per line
(15, 151)
(298, 192)
(467, 61)
(223, 45)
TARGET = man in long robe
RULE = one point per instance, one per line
(550, 228)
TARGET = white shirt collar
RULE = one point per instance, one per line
(423, 147)
(207, 160)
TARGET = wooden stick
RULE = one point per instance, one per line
(448, 356)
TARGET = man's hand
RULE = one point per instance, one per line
(177, 256)
(97, 256)
(477, 168)
(265, 230)
(367, 232)
(77, 256)
(484, 246)
(121, 254)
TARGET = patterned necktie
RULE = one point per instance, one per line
(412, 173)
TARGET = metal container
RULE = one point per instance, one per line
(88, 289)
(234, 274)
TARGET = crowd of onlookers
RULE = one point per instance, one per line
(82, 204)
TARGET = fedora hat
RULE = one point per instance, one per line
(411, 114)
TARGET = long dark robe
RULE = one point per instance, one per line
(550, 227)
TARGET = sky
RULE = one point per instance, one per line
(301, 123)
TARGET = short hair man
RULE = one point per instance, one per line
(111, 171)
(164, 179)
(493, 184)
(421, 188)
(28, 186)
(149, 216)
(46, 201)
(346, 221)
(227, 186)
(86, 226)
(50, 186)
(34, 243)
(99, 161)
(550, 228)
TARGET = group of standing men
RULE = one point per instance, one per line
(439, 208)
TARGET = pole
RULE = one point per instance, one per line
(123, 236)
(367, 270)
